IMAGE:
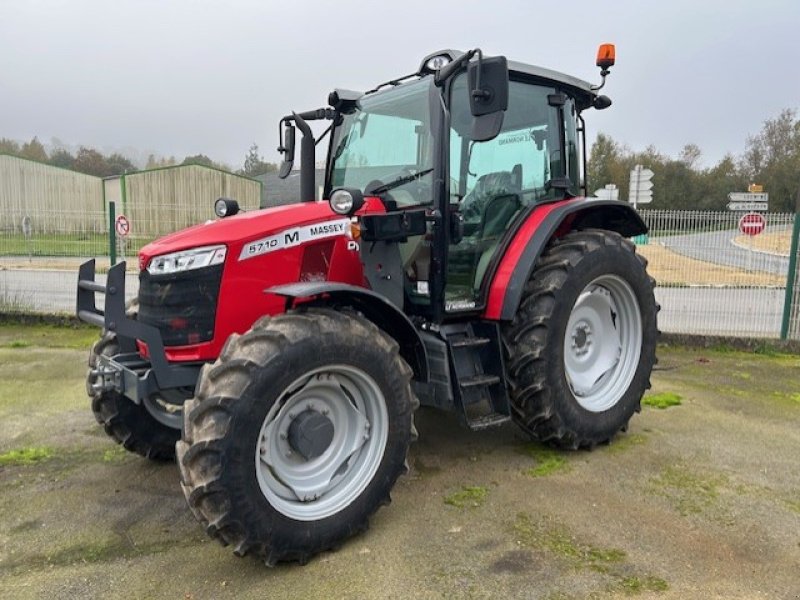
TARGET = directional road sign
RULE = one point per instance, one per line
(748, 206)
(748, 197)
(640, 186)
(752, 223)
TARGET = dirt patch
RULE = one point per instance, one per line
(779, 242)
(671, 268)
(696, 501)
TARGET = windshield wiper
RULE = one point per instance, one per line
(398, 182)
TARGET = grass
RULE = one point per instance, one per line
(12, 302)
(548, 461)
(468, 496)
(19, 336)
(77, 244)
(25, 456)
(662, 401)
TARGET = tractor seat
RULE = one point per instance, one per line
(487, 210)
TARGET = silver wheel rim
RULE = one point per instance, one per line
(603, 343)
(166, 413)
(316, 488)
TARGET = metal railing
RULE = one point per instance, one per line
(712, 279)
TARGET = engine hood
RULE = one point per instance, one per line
(240, 228)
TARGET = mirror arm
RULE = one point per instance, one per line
(452, 68)
(479, 92)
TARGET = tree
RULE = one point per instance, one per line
(62, 158)
(91, 162)
(772, 158)
(118, 164)
(254, 165)
(34, 150)
(690, 156)
(198, 159)
(604, 161)
(9, 147)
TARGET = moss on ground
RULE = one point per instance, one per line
(548, 460)
(626, 442)
(25, 456)
(607, 562)
(468, 496)
(662, 400)
(689, 492)
(637, 585)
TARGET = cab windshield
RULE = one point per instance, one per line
(386, 144)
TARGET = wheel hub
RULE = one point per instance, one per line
(581, 338)
(321, 442)
(310, 434)
(602, 343)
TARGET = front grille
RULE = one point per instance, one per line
(182, 306)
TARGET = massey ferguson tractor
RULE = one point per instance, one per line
(280, 354)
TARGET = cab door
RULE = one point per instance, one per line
(493, 182)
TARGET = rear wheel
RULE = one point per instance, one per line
(297, 434)
(582, 345)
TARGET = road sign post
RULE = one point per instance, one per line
(790, 323)
(640, 188)
(112, 234)
(751, 224)
(27, 231)
(122, 227)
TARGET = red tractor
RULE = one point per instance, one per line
(458, 264)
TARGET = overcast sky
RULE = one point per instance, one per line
(180, 78)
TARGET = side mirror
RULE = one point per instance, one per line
(488, 96)
(287, 149)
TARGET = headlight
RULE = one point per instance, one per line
(225, 207)
(346, 201)
(186, 260)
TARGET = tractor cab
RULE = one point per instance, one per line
(456, 157)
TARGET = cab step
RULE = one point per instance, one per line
(477, 372)
(488, 420)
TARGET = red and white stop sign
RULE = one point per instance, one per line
(752, 223)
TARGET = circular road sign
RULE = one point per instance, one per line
(752, 223)
(122, 226)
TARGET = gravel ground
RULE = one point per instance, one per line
(697, 500)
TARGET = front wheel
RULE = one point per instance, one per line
(297, 434)
(149, 429)
(582, 345)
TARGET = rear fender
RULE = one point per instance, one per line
(374, 307)
(541, 225)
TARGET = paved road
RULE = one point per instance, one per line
(49, 290)
(720, 311)
(744, 312)
(717, 247)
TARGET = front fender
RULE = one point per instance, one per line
(374, 307)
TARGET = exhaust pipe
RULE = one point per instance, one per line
(307, 160)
